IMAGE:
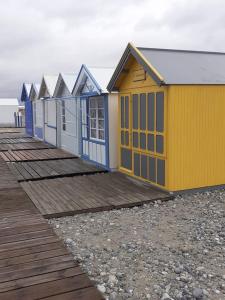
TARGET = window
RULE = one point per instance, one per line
(148, 122)
(63, 116)
(97, 122)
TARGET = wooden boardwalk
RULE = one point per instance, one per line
(25, 146)
(73, 195)
(39, 170)
(17, 140)
(32, 155)
(34, 263)
(7, 130)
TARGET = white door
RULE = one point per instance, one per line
(70, 113)
(39, 119)
(50, 121)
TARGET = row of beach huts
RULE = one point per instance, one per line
(158, 116)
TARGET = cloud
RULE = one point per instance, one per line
(58, 36)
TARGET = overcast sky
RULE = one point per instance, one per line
(40, 36)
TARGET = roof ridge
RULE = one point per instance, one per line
(181, 50)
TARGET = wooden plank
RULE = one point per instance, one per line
(32, 257)
(43, 278)
(4, 255)
(29, 243)
(90, 293)
(23, 229)
(57, 287)
(25, 236)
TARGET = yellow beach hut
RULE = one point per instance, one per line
(172, 117)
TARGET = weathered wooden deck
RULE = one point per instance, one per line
(16, 140)
(34, 263)
(35, 154)
(25, 146)
(39, 170)
(73, 195)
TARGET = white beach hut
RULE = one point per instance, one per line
(46, 109)
(67, 113)
(99, 116)
(33, 96)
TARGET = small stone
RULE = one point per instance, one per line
(197, 293)
(101, 288)
(178, 270)
(166, 297)
(112, 279)
(69, 241)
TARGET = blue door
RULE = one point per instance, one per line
(29, 117)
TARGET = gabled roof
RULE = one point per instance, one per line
(25, 91)
(34, 91)
(9, 101)
(167, 66)
(98, 75)
(27, 87)
(66, 79)
(48, 82)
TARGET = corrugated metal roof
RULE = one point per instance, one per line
(187, 67)
(9, 101)
(69, 79)
(50, 81)
(102, 76)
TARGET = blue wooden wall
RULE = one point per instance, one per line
(29, 117)
(28, 111)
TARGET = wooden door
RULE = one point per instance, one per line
(125, 133)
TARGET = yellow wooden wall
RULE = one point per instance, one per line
(195, 136)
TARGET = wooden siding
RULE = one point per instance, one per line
(196, 136)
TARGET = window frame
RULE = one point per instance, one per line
(96, 108)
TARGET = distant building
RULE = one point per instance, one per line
(8, 108)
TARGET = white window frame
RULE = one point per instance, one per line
(96, 107)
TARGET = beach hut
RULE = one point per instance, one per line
(33, 96)
(68, 113)
(98, 121)
(171, 117)
(46, 109)
(25, 100)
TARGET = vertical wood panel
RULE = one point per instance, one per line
(196, 136)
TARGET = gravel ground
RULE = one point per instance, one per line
(163, 250)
